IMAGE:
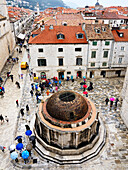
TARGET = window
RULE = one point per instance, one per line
(42, 62)
(34, 35)
(79, 61)
(60, 61)
(60, 49)
(120, 60)
(107, 42)
(103, 29)
(92, 64)
(93, 54)
(94, 43)
(40, 50)
(97, 30)
(122, 48)
(121, 34)
(104, 64)
(105, 54)
(60, 36)
(68, 72)
(78, 49)
(79, 36)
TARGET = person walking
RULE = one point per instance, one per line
(2, 148)
(47, 92)
(111, 104)
(6, 118)
(2, 119)
(11, 77)
(27, 108)
(22, 112)
(107, 100)
(17, 103)
(31, 92)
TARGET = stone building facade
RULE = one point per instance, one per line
(124, 94)
(58, 51)
(7, 40)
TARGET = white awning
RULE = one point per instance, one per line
(21, 36)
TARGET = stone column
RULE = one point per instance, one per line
(48, 136)
(89, 133)
(62, 140)
(77, 135)
(96, 122)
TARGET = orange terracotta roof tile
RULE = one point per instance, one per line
(49, 36)
(118, 38)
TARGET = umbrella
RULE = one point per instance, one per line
(28, 132)
(85, 92)
(29, 147)
(56, 81)
(1, 88)
(12, 147)
(25, 154)
(19, 146)
(18, 137)
(32, 138)
(112, 98)
(14, 155)
(85, 86)
(84, 77)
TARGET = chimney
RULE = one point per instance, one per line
(102, 12)
(42, 27)
(83, 26)
(38, 25)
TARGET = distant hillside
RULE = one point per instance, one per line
(42, 3)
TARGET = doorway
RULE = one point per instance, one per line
(43, 75)
(91, 74)
(118, 72)
(79, 74)
(61, 75)
(103, 73)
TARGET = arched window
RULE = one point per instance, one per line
(60, 36)
(79, 36)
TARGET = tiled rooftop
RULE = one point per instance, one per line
(49, 36)
(118, 38)
(91, 33)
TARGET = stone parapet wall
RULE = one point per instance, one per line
(124, 95)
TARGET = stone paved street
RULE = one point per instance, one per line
(113, 156)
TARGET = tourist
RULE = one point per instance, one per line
(18, 84)
(107, 100)
(116, 101)
(111, 104)
(47, 92)
(2, 148)
(2, 119)
(17, 103)
(22, 112)
(6, 118)
(11, 77)
(1, 80)
(31, 93)
(27, 108)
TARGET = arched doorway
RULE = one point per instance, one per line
(43, 75)
(79, 74)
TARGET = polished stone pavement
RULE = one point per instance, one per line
(114, 155)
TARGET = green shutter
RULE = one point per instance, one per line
(107, 42)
